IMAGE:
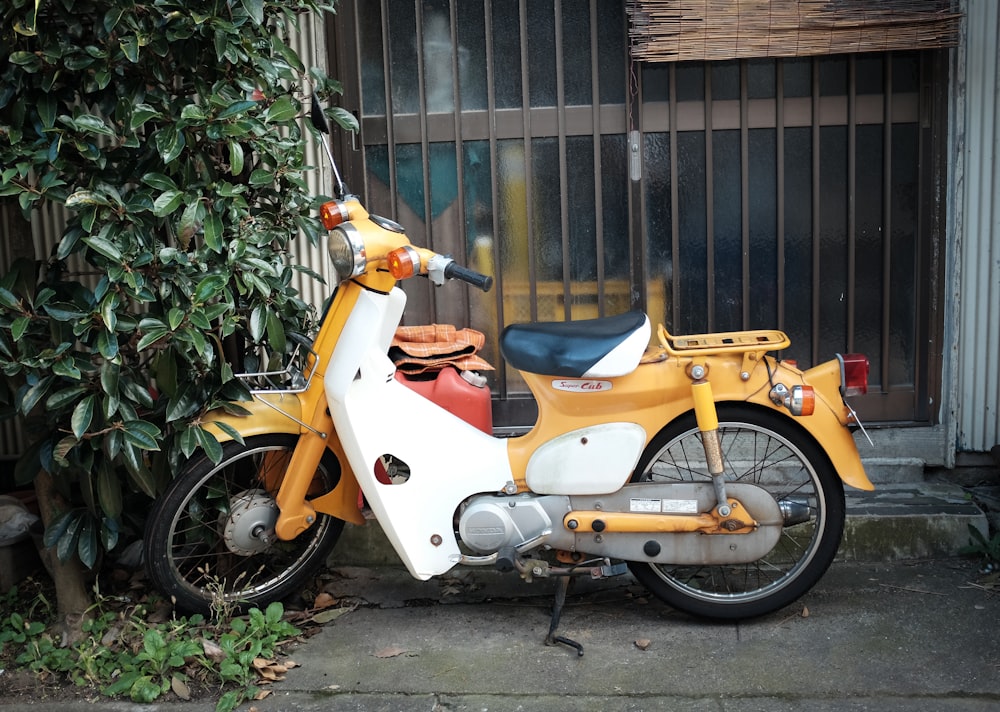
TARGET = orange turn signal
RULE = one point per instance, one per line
(403, 262)
(802, 401)
(333, 213)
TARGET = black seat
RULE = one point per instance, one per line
(566, 348)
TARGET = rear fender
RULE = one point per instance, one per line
(828, 424)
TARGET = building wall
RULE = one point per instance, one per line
(976, 236)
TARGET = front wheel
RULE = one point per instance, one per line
(770, 451)
(210, 540)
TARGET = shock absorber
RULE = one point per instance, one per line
(708, 425)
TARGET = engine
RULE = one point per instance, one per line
(490, 523)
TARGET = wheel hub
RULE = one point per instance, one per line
(249, 528)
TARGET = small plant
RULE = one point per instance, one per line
(988, 549)
(123, 655)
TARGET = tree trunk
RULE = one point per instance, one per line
(69, 577)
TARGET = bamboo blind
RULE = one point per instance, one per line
(679, 30)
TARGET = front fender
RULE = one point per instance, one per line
(268, 413)
(277, 413)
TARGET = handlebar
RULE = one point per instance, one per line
(456, 271)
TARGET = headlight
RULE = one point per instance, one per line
(347, 251)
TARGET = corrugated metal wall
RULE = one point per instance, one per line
(49, 223)
(978, 372)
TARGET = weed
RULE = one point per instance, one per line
(987, 549)
(121, 654)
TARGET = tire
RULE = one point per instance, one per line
(771, 451)
(203, 546)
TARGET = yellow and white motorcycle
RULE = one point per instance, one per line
(711, 470)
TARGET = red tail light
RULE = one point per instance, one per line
(855, 369)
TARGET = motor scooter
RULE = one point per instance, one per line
(706, 466)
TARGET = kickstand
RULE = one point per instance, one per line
(552, 638)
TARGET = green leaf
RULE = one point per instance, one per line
(130, 47)
(344, 118)
(275, 332)
(110, 530)
(193, 112)
(167, 202)
(60, 399)
(67, 544)
(184, 403)
(88, 123)
(213, 232)
(104, 247)
(142, 434)
(229, 430)
(34, 394)
(57, 528)
(19, 326)
(209, 444)
(83, 416)
(85, 197)
(175, 317)
(208, 288)
(235, 109)
(258, 322)
(159, 181)
(150, 338)
(281, 111)
(46, 107)
(261, 176)
(62, 311)
(66, 368)
(169, 142)
(138, 472)
(235, 158)
(141, 114)
(254, 8)
(87, 546)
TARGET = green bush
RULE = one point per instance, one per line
(170, 131)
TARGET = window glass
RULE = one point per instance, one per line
(506, 54)
(576, 55)
(727, 234)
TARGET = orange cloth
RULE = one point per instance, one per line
(417, 349)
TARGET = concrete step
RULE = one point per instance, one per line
(911, 520)
(914, 520)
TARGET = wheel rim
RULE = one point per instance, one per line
(756, 455)
(213, 551)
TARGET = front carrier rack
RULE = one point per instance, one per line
(271, 386)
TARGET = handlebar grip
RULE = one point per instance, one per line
(476, 279)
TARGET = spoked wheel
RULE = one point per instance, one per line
(210, 538)
(767, 450)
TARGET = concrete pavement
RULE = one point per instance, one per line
(898, 623)
(916, 635)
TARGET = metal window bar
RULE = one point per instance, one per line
(886, 222)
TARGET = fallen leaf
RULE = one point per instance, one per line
(324, 600)
(212, 651)
(391, 652)
(643, 643)
(180, 688)
(330, 615)
(261, 694)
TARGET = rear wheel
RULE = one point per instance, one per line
(210, 538)
(770, 451)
